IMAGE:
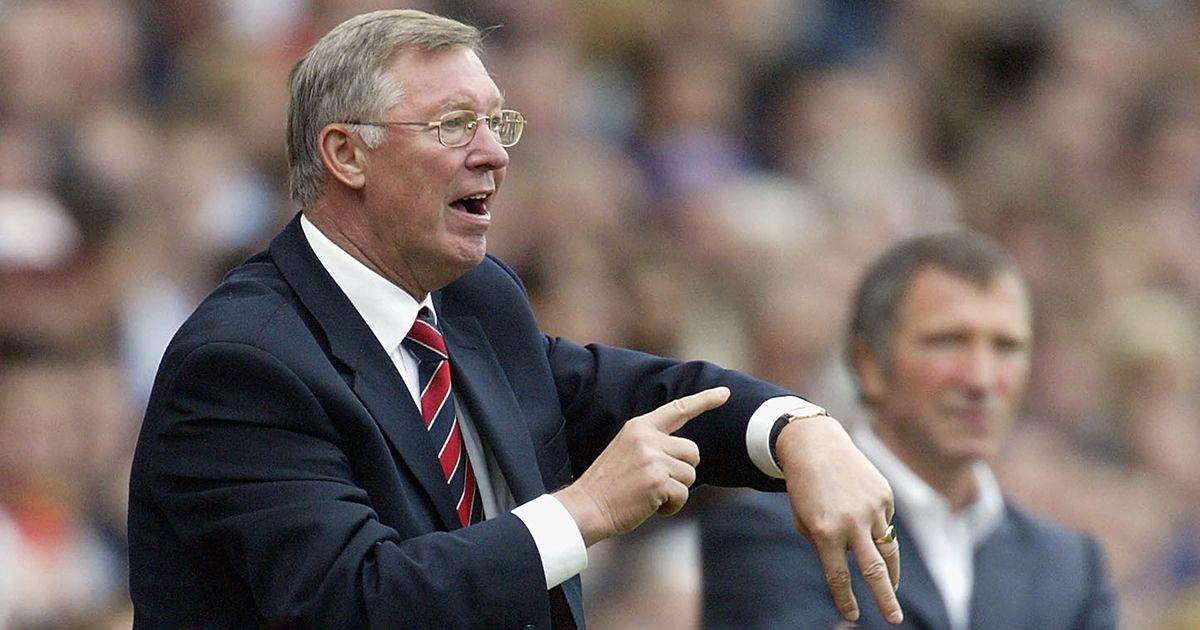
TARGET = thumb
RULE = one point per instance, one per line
(671, 417)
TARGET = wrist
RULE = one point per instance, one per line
(587, 515)
(784, 420)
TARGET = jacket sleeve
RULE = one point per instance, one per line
(601, 387)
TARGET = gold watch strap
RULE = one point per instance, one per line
(787, 418)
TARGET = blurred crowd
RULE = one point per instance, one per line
(700, 178)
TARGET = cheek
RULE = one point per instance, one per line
(1012, 378)
(930, 375)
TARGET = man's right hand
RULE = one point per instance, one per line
(643, 470)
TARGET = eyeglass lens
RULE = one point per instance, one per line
(458, 128)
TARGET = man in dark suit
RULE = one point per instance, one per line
(364, 427)
(939, 343)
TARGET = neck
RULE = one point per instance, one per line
(954, 481)
(355, 241)
(959, 490)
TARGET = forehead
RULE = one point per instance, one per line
(936, 297)
(443, 80)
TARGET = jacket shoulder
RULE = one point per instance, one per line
(492, 274)
(1050, 538)
(491, 288)
(252, 305)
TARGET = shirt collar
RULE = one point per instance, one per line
(388, 310)
(916, 497)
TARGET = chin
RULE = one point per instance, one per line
(474, 248)
(468, 254)
(472, 260)
(973, 451)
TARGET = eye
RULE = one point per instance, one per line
(1009, 345)
(458, 121)
(944, 340)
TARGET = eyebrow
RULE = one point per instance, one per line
(458, 102)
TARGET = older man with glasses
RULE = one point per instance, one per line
(363, 425)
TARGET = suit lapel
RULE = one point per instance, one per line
(375, 379)
(919, 595)
(488, 396)
(483, 388)
(1004, 583)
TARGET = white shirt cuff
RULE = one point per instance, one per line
(557, 537)
(758, 431)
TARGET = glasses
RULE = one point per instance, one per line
(457, 128)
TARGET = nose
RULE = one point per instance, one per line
(485, 152)
(982, 369)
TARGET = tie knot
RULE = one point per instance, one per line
(424, 340)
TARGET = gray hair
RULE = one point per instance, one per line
(963, 253)
(344, 76)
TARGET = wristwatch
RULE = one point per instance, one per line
(788, 417)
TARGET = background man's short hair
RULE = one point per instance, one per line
(964, 253)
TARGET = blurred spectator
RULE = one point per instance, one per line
(64, 437)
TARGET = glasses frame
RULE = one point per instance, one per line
(493, 122)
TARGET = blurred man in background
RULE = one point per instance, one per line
(939, 344)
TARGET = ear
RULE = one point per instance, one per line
(872, 380)
(344, 155)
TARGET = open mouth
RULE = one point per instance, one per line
(473, 204)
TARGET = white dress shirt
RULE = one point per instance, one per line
(946, 538)
(389, 312)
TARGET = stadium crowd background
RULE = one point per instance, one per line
(700, 178)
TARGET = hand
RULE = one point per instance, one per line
(841, 504)
(642, 471)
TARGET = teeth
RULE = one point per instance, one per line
(479, 197)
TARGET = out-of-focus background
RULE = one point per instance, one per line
(701, 178)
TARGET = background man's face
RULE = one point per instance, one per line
(959, 365)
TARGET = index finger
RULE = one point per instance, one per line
(671, 417)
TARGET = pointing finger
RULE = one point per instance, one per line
(671, 417)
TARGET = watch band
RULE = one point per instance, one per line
(787, 418)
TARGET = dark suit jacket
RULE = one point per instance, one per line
(283, 476)
(759, 573)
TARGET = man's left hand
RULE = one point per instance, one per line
(841, 504)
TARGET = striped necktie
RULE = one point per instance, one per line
(437, 408)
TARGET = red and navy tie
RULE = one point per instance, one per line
(437, 408)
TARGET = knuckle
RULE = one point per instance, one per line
(838, 579)
(662, 475)
(679, 406)
(687, 452)
(875, 570)
(826, 529)
(678, 499)
(688, 477)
